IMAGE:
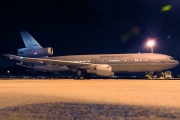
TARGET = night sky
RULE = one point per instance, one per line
(92, 26)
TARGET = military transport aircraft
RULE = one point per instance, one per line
(36, 57)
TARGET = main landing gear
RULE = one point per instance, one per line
(79, 74)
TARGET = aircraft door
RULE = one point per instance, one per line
(131, 60)
(163, 60)
(93, 60)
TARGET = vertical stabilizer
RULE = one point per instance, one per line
(29, 41)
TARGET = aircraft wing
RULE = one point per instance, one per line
(51, 61)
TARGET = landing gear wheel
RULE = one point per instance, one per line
(79, 74)
(149, 75)
(81, 77)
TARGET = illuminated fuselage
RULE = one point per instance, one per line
(141, 62)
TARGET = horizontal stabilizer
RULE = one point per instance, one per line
(30, 67)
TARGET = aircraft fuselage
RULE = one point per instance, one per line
(142, 62)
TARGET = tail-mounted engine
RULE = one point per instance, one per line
(35, 52)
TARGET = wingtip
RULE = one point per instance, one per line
(7, 55)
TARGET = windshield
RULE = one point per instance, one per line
(171, 58)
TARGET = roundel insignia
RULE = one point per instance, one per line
(35, 52)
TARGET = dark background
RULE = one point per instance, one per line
(91, 26)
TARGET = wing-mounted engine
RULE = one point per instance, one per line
(35, 52)
(101, 70)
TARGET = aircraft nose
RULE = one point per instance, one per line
(176, 62)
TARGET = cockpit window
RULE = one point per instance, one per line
(171, 58)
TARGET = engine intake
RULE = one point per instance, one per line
(37, 52)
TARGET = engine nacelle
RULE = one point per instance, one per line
(36, 52)
(101, 70)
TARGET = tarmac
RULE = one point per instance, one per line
(89, 99)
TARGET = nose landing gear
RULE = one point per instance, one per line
(149, 75)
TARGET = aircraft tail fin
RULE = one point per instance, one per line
(29, 41)
(33, 48)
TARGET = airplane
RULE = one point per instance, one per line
(36, 57)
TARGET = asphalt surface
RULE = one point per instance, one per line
(89, 99)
